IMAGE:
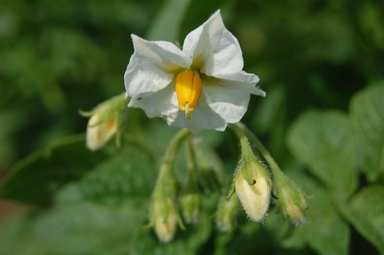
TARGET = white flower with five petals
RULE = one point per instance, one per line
(202, 86)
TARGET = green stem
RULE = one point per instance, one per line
(174, 146)
(192, 166)
(191, 157)
(241, 130)
(166, 173)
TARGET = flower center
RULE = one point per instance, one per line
(188, 90)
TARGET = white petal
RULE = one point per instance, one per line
(228, 102)
(151, 65)
(202, 118)
(218, 49)
(162, 103)
(242, 80)
(143, 76)
(164, 54)
(229, 96)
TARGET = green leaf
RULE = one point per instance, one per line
(13, 232)
(13, 120)
(105, 213)
(366, 213)
(166, 26)
(324, 231)
(324, 142)
(367, 110)
(128, 175)
(87, 228)
(36, 178)
(76, 229)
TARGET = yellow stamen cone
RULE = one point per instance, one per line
(188, 90)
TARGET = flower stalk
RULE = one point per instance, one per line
(164, 215)
(211, 173)
(191, 198)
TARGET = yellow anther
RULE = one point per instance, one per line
(188, 90)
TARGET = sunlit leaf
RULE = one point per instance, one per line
(324, 142)
(366, 213)
(367, 110)
(128, 175)
(325, 231)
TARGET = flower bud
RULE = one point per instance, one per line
(226, 213)
(252, 183)
(290, 198)
(164, 214)
(190, 206)
(164, 219)
(104, 122)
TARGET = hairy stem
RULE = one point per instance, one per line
(241, 130)
(166, 173)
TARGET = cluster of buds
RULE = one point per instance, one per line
(257, 175)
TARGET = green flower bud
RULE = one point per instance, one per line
(164, 218)
(252, 183)
(104, 122)
(290, 198)
(190, 207)
(226, 213)
(164, 215)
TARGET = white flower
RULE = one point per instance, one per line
(201, 86)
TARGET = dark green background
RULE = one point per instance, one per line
(320, 62)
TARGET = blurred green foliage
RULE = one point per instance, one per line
(321, 63)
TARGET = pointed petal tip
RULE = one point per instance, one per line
(257, 79)
(217, 12)
(134, 36)
(216, 15)
(258, 92)
(136, 39)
